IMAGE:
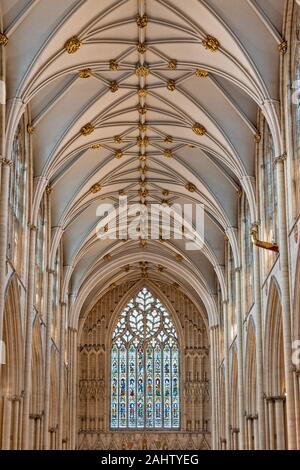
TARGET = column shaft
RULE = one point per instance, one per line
(285, 299)
(4, 196)
(28, 340)
(239, 322)
(259, 351)
(61, 374)
(6, 423)
(47, 376)
(227, 381)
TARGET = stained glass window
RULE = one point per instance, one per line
(145, 367)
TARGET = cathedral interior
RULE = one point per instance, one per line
(138, 342)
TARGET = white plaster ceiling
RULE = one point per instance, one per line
(243, 75)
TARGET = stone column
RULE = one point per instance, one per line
(63, 308)
(255, 430)
(73, 388)
(279, 423)
(227, 380)
(213, 389)
(297, 405)
(15, 427)
(6, 423)
(259, 350)
(250, 432)
(4, 197)
(37, 432)
(28, 338)
(271, 414)
(47, 376)
(267, 427)
(239, 323)
(285, 299)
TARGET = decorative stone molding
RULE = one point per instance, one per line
(113, 65)
(168, 153)
(142, 21)
(85, 73)
(257, 138)
(119, 154)
(95, 188)
(142, 47)
(168, 139)
(171, 85)
(191, 187)
(172, 65)
(3, 39)
(6, 162)
(280, 159)
(211, 43)
(30, 129)
(96, 146)
(198, 129)
(72, 45)
(142, 70)
(87, 129)
(143, 109)
(113, 86)
(200, 73)
(283, 47)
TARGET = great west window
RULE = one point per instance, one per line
(145, 367)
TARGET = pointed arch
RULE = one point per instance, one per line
(274, 367)
(145, 366)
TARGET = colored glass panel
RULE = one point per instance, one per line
(145, 367)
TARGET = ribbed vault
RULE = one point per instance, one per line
(158, 103)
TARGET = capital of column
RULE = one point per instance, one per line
(32, 227)
(49, 189)
(36, 417)
(63, 304)
(73, 330)
(16, 398)
(235, 430)
(50, 271)
(225, 302)
(280, 159)
(6, 162)
(237, 270)
(255, 225)
(279, 398)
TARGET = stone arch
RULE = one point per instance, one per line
(195, 386)
(274, 366)
(11, 370)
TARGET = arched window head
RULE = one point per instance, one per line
(145, 367)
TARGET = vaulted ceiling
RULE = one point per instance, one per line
(148, 96)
